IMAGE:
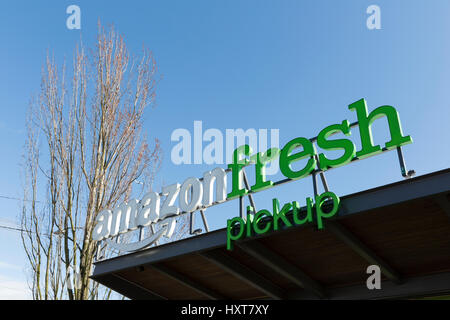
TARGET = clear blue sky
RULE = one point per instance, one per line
(292, 65)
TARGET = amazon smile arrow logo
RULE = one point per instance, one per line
(167, 228)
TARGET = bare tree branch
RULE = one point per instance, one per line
(93, 152)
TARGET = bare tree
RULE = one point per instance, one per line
(86, 149)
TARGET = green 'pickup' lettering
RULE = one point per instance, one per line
(263, 221)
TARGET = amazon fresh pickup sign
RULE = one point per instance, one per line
(159, 210)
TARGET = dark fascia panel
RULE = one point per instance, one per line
(432, 184)
(416, 287)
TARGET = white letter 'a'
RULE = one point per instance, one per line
(373, 21)
(103, 226)
(374, 281)
(74, 20)
(181, 152)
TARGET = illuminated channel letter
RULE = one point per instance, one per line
(168, 208)
(365, 122)
(128, 216)
(280, 214)
(249, 221)
(296, 212)
(194, 187)
(102, 228)
(286, 158)
(320, 200)
(236, 171)
(135, 207)
(258, 216)
(233, 237)
(120, 219)
(150, 209)
(345, 144)
(219, 176)
(262, 158)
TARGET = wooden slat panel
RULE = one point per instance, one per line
(161, 284)
(211, 276)
(413, 237)
(320, 255)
